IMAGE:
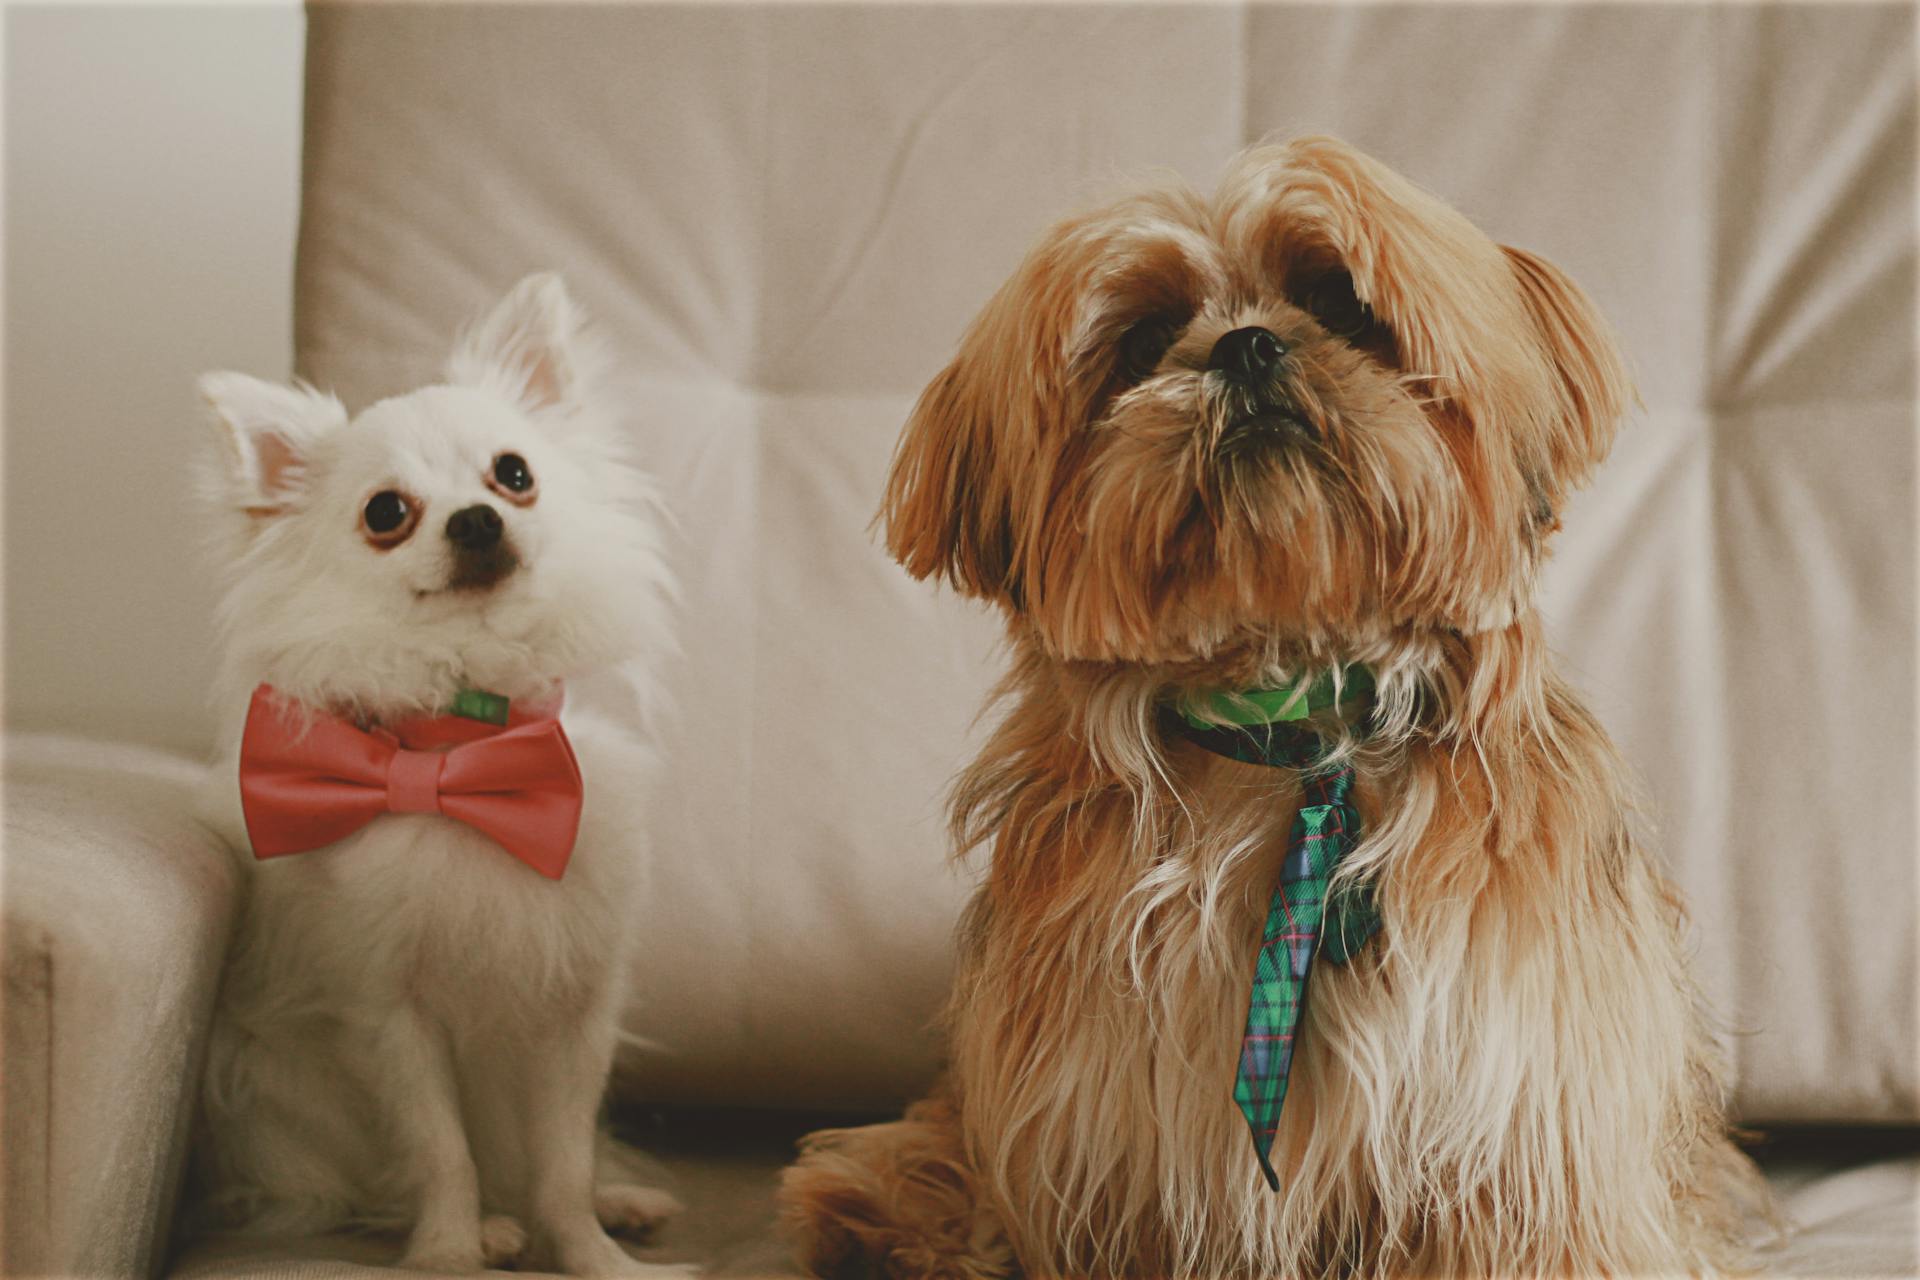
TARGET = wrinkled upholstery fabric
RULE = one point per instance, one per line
(118, 908)
(785, 215)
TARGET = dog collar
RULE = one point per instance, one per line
(476, 707)
(1274, 726)
(1339, 687)
(471, 714)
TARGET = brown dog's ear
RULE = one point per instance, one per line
(1591, 384)
(947, 509)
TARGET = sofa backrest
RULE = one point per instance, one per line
(785, 215)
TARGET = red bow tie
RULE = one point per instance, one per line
(308, 780)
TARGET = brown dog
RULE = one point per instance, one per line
(1201, 445)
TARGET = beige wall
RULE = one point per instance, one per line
(151, 179)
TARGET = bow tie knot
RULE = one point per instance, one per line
(309, 782)
(413, 781)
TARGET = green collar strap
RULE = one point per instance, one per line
(478, 704)
(1346, 687)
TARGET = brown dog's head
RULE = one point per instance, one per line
(1320, 410)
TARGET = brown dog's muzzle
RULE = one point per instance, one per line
(1251, 365)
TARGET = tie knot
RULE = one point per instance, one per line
(413, 781)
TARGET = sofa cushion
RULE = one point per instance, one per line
(117, 913)
(1849, 1199)
(786, 215)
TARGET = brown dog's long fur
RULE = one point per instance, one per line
(1516, 1079)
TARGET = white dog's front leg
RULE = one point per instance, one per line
(565, 1081)
(414, 1076)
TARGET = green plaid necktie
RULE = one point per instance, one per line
(1268, 728)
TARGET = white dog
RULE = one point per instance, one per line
(421, 1007)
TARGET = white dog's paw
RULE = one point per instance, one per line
(602, 1259)
(502, 1239)
(631, 1209)
(443, 1257)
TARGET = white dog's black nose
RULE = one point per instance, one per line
(475, 528)
(1251, 352)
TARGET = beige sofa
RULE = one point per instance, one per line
(784, 215)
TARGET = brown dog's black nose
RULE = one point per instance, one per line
(1251, 352)
(475, 528)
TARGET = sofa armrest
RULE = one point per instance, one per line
(118, 909)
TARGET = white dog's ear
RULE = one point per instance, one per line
(268, 431)
(528, 348)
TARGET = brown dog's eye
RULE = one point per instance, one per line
(388, 518)
(1142, 347)
(1332, 301)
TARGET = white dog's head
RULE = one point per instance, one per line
(483, 533)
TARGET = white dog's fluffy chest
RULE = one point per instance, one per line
(421, 908)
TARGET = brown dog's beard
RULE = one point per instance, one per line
(1513, 1081)
(1324, 505)
(1461, 1102)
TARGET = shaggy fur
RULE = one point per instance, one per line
(413, 1025)
(1516, 1079)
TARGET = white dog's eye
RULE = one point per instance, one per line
(389, 518)
(512, 479)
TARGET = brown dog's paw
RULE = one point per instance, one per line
(891, 1202)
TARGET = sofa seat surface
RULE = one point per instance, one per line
(118, 910)
(1849, 1198)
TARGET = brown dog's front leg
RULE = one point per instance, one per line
(896, 1200)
